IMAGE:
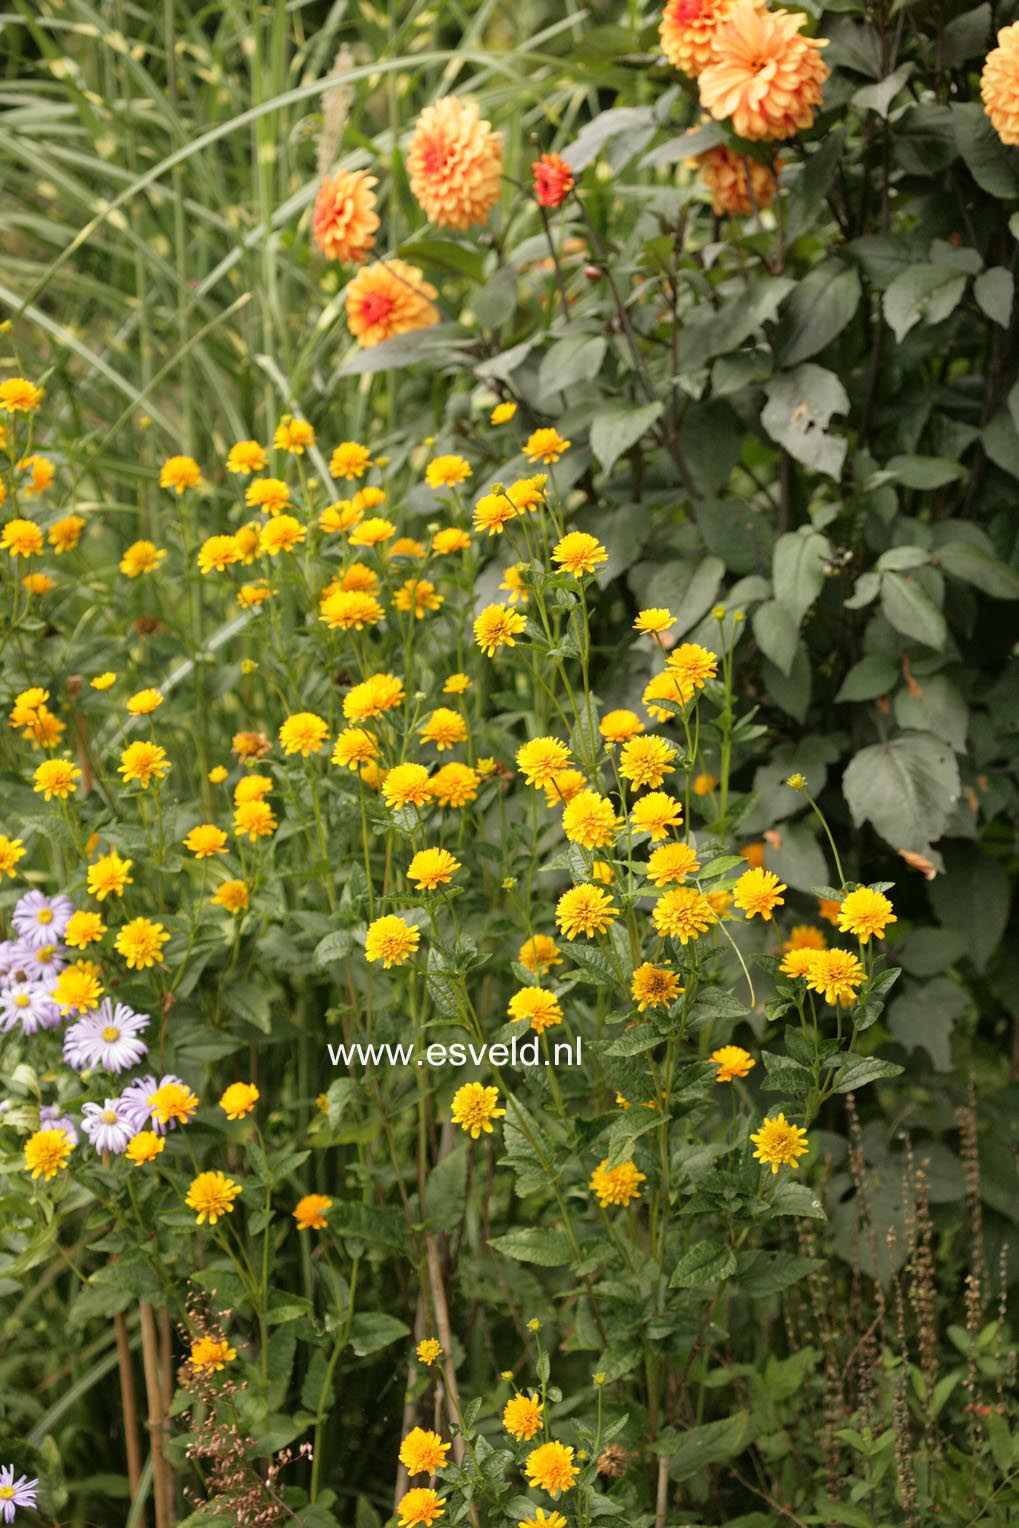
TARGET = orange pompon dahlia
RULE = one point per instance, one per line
(345, 220)
(454, 162)
(687, 30)
(388, 298)
(999, 85)
(739, 186)
(763, 76)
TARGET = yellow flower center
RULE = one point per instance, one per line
(109, 1116)
(111, 1033)
(22, 1000)
(6, 1493)
(44, 915)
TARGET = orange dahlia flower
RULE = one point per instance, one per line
(553, 180)
(454, 163)
(738, 185)
(686, 31)
(344, 223)
(387, 298)
(763, 76)
(999, 85)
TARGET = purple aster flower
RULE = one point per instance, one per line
(15, 1493)
(42, 964)
(9, 952)
(30, 1004)
(42, 920)
(108, 1126)
(109, 1038)
(50, 1118)
(137, 1096)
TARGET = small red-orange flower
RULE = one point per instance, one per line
(345, 220)
(763, 76)
(739, 186)
(455, 163)
(553, 180)
(387, 298)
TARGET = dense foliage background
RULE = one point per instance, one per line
(808, 415)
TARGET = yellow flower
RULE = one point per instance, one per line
(456, 684)
(141, 557)
(732, 1061)
(545, 445)
(693, 665)
(758, 893)
(392, 940)
(11, 851)
(407, 546)
(239, 1099)
(179, 472)
(38, 583)
(590, 820)
(211, 1196)
(270, 495)
(837, 974)
(454, 785)
(779, 1144)
(522, 1417)
(828, 909)
(683, 914)
(47, 1152)
(406, 785)
(41, 471)
(310, 1212)
(21, 538)
(144, 1147)
(232, 896)
(616, 1185)
(672, 862)
(281, 534)
(141, 943)
(83, 928)
(539, 954)
(454, 163)
(18, 396)
(144, 702)
(372, 532)
(550, 1467)
(104, 681)
(865, 913)
(579, 554)
(108, 876)
(173, 1101)
(143, 762)
(474, 1108)
(666, 686)
(56, 777)
(797, 962)
(350, 460)
(217, 774)
(381, 692)
(541, 758)
(420, 1505)
(502, 413)
(218, 553)
(64, 534)
(78, 987)
(654, 621)
(303, 733)
(422, 1453)
(536, 1006)
(497, 626)
(656, 813)
(654, 987)
(704, 784)
(528, 493)
(586, 910)
(431, 868)
(450, 539)
(254, 819)
(428, 1350)
(805, 937)
(293, 435)
(646, 761)
(246, 457)
(444, 728)
(418, 595)
(212, 1353)
(446, 471)
(205, 840)
(619, 726)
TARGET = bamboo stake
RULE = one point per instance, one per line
(129, 1406)
(150, 1360)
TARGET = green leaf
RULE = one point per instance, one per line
(819, 309)
(936, 706)
(994, 291)
(912, 611)
(872, 676)
(708, 1444)
(864, 1069)
(800, 406)
(768, 1273)
(1001, 442)
(335, 946)
(496, 300)
(575, 358)
(974, 896)
(906, 787)
(962, 560)
(993, 166)
(923, 142)
(445, 255)
(924, 293)
(614, 431)
(705, 1263)
(879, 97)
(798, 577)
(777, 634)
(533, 1244)
(371, 1331)
(925, 471)
(923, 1016)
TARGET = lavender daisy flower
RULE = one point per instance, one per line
(109, 1038)
(29, 1004)
(42, 920)
(50, 1118)
(42, 964)
(10, 951)
(134, 1103)
(108, 1126)
(15, 1493)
